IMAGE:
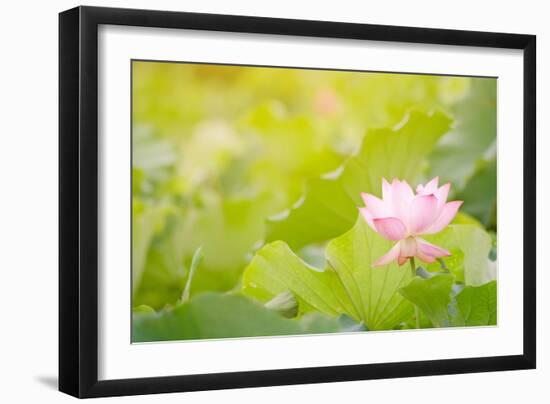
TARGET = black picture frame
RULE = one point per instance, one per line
(78, 200)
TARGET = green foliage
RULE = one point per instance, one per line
(481, 193)
(213, 315)
(246, 181)
(162, 277)
(373, 291)
(197, 257)
(146, 221)
(329, 205)
(432, 296)
(436, 297)
(473, 138)
(477, 306)
(375, 296)
(276, 269)
(470, 246)
(348, 285)
(142, 309)
(285, 304)
(226, 229)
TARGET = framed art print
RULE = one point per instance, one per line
(251, 201)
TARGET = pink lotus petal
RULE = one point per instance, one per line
(368, 217)
(423, 213)
(402, 216)
(430, 249)
(442, 193)
(390, 228)
(405, 190)
(448, 212)
(376, 206)
(424, 257)
(387, 258)
(402, 195)
(429, 188)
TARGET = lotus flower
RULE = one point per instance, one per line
(403, 216)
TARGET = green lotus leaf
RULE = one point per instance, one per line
(432, 296)
(215, 315)
(470, 246)
(347, 285)
(446, 304)
(328, 206)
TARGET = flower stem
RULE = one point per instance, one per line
(416, 311)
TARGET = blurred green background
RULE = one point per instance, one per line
(222, 153)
